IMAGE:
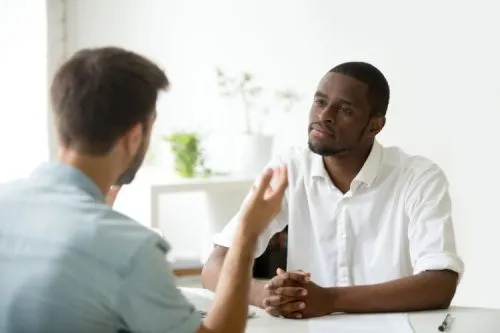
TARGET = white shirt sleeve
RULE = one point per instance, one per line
(225, 237)
(430, 232)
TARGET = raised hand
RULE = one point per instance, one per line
(265, 201)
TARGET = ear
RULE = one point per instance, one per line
(133, 139)
(376, 125)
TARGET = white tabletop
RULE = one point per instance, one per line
(465, 320)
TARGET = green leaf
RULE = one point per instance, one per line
(187, 151)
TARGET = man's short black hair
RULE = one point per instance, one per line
(373, 78)
(99, 94)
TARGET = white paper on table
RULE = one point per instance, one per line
(354, 323)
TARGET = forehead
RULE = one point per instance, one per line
(340, 86)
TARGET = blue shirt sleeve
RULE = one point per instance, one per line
(148, 300)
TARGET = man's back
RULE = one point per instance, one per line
(63, 254)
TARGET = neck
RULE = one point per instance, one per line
(343, 169)
(97, 168)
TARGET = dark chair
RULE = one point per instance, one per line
(274, 257)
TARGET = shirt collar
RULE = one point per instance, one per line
(366, 175)
(64, 174)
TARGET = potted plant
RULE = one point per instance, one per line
(287, 99)
(256, 145)
(188, 154)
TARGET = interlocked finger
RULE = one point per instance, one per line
(277, 300)
(290, 291)
(287, 279)
(273, 311)
(292, 307)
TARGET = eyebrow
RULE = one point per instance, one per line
(320, 94)
(325, 96)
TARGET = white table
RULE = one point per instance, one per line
(466, 320)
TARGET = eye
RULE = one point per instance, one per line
(346, 111)
(320, 102)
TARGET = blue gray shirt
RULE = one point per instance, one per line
(69, 263)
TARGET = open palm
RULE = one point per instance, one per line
(266, 200)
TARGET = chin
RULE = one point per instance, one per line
(322, 149)
(316, 147)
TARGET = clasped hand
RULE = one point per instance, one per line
(294, 295)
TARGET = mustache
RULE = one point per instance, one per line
(322, 126)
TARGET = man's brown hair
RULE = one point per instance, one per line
(99, 94)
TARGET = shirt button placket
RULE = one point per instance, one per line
(342, 269)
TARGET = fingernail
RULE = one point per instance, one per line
(304, 292)
(302, 305)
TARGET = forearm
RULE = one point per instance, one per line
(212, 271)
(230, 307)
(425, 291)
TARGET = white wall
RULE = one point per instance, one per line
(23, 87)
(439, 56)
(56, 55)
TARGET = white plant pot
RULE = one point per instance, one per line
(254, 154)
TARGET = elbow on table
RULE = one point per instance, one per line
(443, 304)
(446, 286)
(447, 297)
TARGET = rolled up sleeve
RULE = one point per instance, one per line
(431, 233)
(225, 237)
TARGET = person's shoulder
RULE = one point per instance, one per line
(12, 188)
(119, 238)
(14, 192)
(301, 163)
(294, 157)
(412, 167)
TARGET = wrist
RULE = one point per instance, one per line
(333, 303)
(246, 233)
(258, 293)
(245, 241)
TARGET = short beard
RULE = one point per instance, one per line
(325, 151)
(129, 175)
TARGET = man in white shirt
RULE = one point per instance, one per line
(370, 225)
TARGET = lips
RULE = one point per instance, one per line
(322, 129)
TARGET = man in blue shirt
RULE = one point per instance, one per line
(68, 262)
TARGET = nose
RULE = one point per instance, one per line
(328, 114)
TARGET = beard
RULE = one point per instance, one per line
(128, 175)
(324, 150)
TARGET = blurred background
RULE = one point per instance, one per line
(243, 74)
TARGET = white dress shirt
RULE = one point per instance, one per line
(394, 221)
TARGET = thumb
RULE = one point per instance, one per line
(282, 181)
(265, 181)
(279, 271)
